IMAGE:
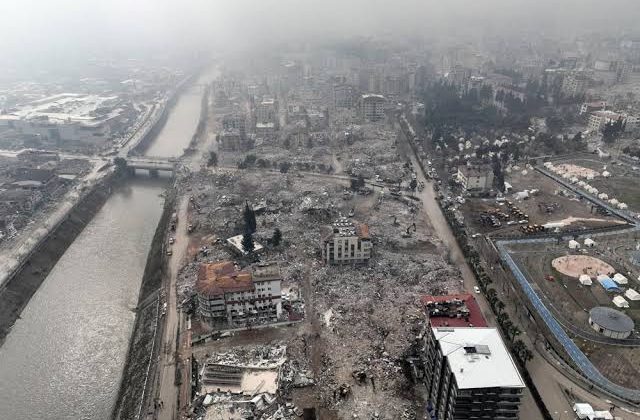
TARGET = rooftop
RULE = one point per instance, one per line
(449, 306)
(611, 319)
(266, 271)
(478, 358)
(345, 227)
(215, 279)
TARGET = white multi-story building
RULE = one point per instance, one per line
(346, 243)
(475, 178)
(469, 374)
(372, 107)
(232, 297)
(267, 112)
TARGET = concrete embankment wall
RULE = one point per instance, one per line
(146, 141)
(140, 369)
(24, 282)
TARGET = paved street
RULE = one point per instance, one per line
(167, 392)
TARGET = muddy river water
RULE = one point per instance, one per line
(64, 358)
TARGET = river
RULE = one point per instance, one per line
(64, 358)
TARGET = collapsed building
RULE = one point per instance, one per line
(346, 243)
(228, 296)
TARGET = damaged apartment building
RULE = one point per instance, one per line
(233, 137)
(346, 242)
(231, 297)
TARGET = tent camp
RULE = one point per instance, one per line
(632, 294)
(608, 284)
(574, 244)
(620, 302)
(620, 279)
(585, 280)
(589, 243)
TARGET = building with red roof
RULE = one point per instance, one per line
(227, 295)
(453, 311)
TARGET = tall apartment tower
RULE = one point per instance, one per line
(469, 374)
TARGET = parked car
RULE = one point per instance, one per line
(476, 289)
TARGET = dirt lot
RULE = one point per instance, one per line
(550, 204)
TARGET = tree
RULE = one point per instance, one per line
(498, 173)
(612, 130)
(500, 306)
(121, 165)
(357, 183)
(250, 160)
(249, 217)
(578, 141)
(277, 237)
(213, 159)
(284, 167)
(413, 184)
(247, 242)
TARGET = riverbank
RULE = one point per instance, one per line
(26, 279)
(145, 342)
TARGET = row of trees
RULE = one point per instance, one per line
(509, 329)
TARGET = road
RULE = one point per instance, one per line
(167, 390)
(528, 410)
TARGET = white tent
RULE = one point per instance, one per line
(606, 174)
(583, 410)
(620, 302)
(601, 415)
(632, 294)
(574, 244)
(585, 280)
(589, 243)
(620, 279)
(623, 206)
(603, 196)
(614, 202)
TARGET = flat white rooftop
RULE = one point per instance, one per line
(478, 358)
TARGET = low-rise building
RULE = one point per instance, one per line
(475, 178)
(346, 243)
(589, 107)
(233, 297)
(372, 107)
(469, 374)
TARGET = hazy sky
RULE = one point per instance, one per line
(61, 28)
